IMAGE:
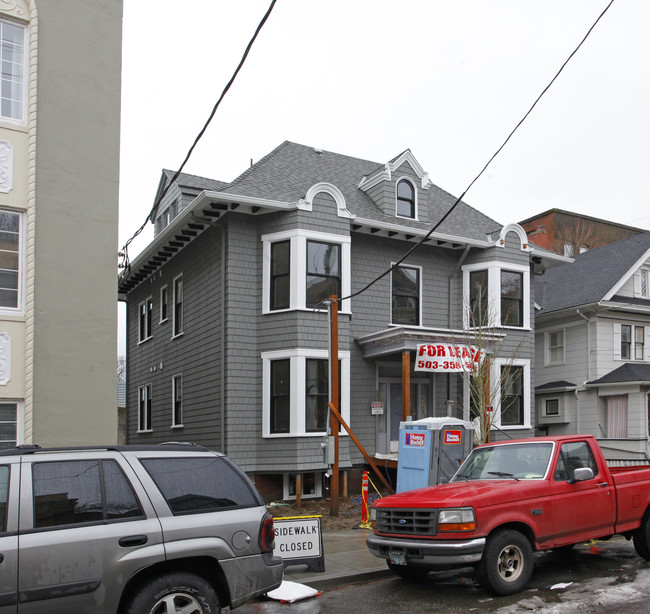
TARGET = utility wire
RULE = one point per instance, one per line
(494, 155)
(154, 209)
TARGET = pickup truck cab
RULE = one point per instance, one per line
(507, 500)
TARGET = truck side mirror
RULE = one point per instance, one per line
(582, 474)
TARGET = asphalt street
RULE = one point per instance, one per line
(596, 578)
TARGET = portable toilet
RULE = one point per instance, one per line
(431, 450)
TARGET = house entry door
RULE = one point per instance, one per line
(390, 393)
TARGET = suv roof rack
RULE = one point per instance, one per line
(25, 449)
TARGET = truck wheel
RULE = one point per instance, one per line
(175, 592)
(409, 572)
(641, 538)
(507, 563)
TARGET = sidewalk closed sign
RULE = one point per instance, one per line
(298, 540)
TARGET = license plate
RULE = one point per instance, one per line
(397, 558)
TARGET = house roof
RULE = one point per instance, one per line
(629, 372)
(592, 276)
(559, 384)
(286, 173)
(194, 181)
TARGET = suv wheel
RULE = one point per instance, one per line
(175, 592)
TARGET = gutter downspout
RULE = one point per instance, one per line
(577, 390)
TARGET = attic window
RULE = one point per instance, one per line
(405, 206)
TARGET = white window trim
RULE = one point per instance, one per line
(20, 419)
(180, 424)
(495, 376)
(173, 305)
(297, 369)
(547, 347)
(559, 407)
(318, 483)
(148, 388)
(26, 76)
(494, 292)
(617, 342)
(298, 267)
(166, 303)
(415, 196)
(148, 333)
(420, 286)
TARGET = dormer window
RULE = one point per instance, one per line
(405, 206)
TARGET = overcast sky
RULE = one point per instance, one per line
(447, 79)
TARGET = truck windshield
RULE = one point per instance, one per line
(523, 461)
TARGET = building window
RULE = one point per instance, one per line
(280, 275)
(12, 56)
(568, 250)
(310, 485)
(497, 294)
(617, 416)
(552, 407)
(8, 425)
(405, 296)
(177, 401)
(144, 408)
(145, 319)
(405, 206)
(10, 260)
(280, 396)
(555, 347)
(296, 391)
(632, 342)
(178, 306)
(305, 270)
(163, 303)
(323, 272)
(511, 383)
(478, 298)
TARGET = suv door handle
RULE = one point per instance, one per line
(133, 540)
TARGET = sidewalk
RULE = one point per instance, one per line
(346, 560)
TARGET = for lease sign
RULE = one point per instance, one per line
(447, 357)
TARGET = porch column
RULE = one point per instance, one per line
(406, 385)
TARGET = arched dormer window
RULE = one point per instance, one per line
(405, 205)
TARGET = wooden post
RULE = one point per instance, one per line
(334, 400)
(298, 490)
(406, 385)
(345, 486)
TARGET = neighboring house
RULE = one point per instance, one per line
(227, 346)
(593, 347)
(59, 163)
(569, 233)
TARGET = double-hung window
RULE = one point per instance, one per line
(145, 319)
(496, 294)
(405, 296)
(178, 306)
(296, 391)
(302, 269)
(11, 247)
(145, 394)
(177, 401)
(8, 425)
(631, 342)
(405, 201)
(554, 347)
(12, 84)
(510, 393)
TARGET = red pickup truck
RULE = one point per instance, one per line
(507, 500)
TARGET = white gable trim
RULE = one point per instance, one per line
(623, 280)
(519, 231)
(307, 203)
(390, 167)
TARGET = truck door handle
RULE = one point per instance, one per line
(133, 540)
(601, 484)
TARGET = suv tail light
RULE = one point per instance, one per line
(267, 534)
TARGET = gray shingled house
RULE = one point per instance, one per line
(227, 347)
(593, 348)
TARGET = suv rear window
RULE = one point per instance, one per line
(200, 484)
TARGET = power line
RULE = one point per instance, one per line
(494, 155)
(152, 214)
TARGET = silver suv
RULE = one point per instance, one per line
(130, 530)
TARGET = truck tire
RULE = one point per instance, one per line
(175, 592)
(409, 572)
(507, 563)
(641, 538)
